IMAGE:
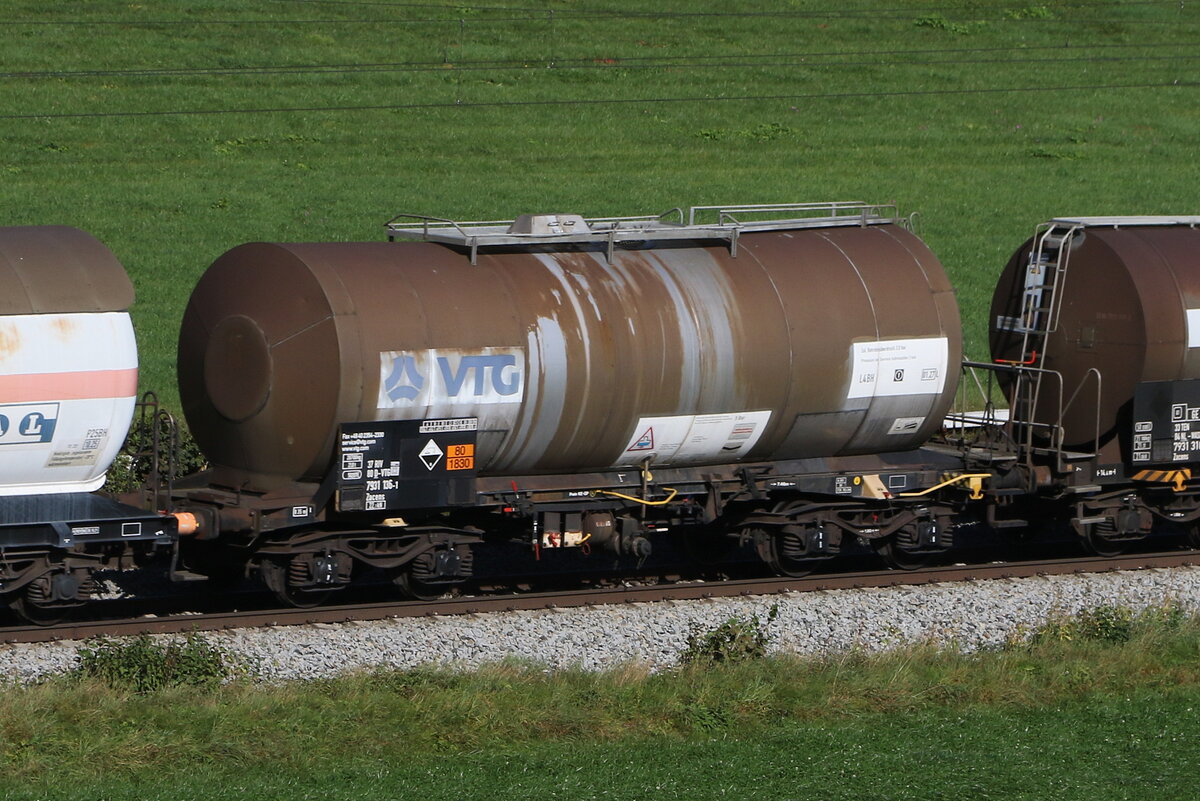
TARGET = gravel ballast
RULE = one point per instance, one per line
(967, 616)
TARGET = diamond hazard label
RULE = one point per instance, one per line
(431, 454)
(693, 438)
(645, 442)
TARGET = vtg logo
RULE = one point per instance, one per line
(405, 381)
(32, 422)
(444, 376)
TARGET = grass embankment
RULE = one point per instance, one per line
(174, 132)
(1103, 706)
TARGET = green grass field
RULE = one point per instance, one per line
(1101, 706)
(1135, 747)
(176, 131)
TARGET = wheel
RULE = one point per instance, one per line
(412, 587)
(52, 597)
(779, 548)
(451, 565)
(896, 557)
(796, 549)
(1096, 544)
(37, 612)
(274, 574)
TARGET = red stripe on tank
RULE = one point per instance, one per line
(81, 385)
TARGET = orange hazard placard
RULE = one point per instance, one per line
(460, 457)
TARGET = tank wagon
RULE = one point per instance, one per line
(68, 382)
(772, 382)
(1095, 332)
(570, 383)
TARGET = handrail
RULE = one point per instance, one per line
(1019, 427)
(727, 223)
(725, 214)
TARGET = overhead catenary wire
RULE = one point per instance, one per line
(457, 16)
(176, 23)
(742, 61)
(462, 8)
(700, 99)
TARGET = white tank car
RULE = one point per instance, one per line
(68, 360)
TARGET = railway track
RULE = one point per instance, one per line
(632, 593)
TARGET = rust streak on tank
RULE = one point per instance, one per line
(10, 341)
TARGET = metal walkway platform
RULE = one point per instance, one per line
(720, 223)
(1127, 222)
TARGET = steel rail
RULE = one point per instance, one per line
(186, 623)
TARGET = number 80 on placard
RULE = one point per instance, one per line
(460, 457)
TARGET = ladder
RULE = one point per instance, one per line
(1041, 303)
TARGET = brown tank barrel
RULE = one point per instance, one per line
(1129, 309)
(48, 269)
(810, 342)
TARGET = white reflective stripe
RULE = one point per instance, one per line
(1193, 328)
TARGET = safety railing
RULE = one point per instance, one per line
(997, 430)
(724, 223)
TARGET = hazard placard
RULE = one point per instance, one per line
(431, 454)
(460, 457)
(405, 464)
(693, 438)
(645, 442)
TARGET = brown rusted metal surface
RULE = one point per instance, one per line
(590, 597)
(1124, 313)
(56, 268)
(566, 358)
